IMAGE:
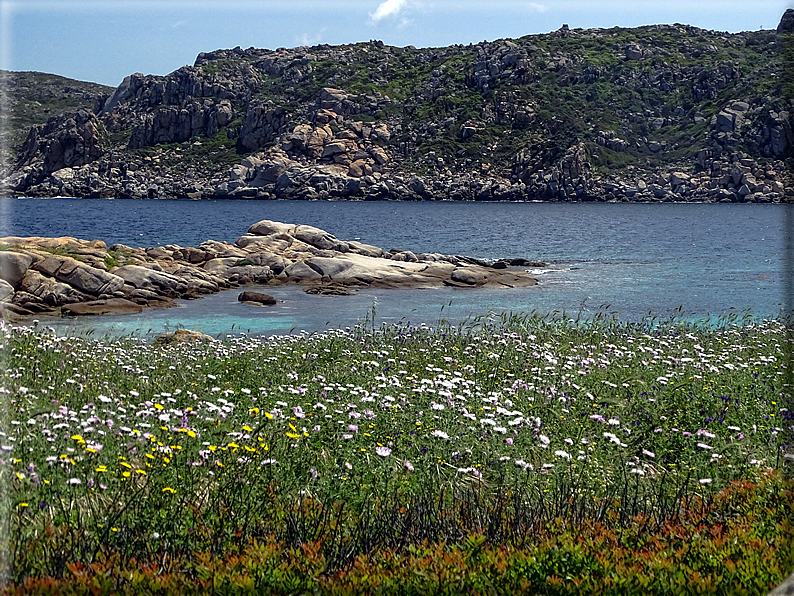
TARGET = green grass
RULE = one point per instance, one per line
(373, 446)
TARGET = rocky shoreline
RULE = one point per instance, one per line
(73, 277)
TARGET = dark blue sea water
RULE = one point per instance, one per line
(629, 260)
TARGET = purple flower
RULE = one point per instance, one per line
(383, 451)
(408, 466)
(509, 441)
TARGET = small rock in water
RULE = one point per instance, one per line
(256, 298)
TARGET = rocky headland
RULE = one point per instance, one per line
(69, 276)
(655, 113)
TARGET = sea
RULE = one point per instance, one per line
(630, 262)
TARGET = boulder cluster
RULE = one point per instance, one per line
(78, 277)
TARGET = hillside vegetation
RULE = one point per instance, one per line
(662, 112)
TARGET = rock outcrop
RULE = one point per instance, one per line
(786, 24)
(182, 336)
(77, 277)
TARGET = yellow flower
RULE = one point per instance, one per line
(126, 474)
(158, 406)
(247, 428)
(191, 434)
(269, 415)
(102, 469)
(293, 435)
(23, 505)
(168, 489)
(140, 472)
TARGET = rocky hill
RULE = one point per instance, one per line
(30, 98)
(656, 113)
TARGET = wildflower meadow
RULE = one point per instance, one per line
(507, 455)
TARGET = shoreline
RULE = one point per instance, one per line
(68, 276)
(643, 201)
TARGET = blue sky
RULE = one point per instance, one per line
(103, 41)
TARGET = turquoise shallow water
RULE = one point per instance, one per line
(630, 260)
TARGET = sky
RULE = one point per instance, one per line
(104, 41)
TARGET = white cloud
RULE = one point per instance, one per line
(387, 8)
(534, 6)
(311, 40)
